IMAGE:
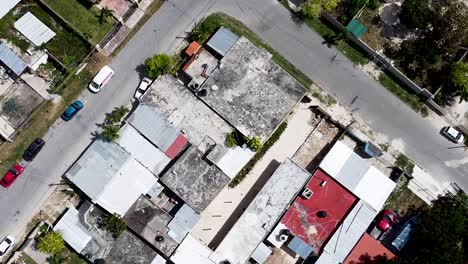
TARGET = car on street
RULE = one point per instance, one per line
(72, 110)
(6, 245)
(386, 220)
(452, 134)
(144, 84)
(11, 175)
(101, 79)
(33, 149)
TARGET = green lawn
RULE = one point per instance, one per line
(7, 31)
(214, 21)
(25, 259)
(84, 20)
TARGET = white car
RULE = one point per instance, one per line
(453, 134)
(145, 83)
(6, 245)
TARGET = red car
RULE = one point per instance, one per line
(386, 220)
(11, 175)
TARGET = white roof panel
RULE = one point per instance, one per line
(6, 6)
(72, 231)
(191, 251)
(142, 150)
(261, 253)
(374, 188)
(33, 29)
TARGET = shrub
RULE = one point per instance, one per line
(255, 143)
(231, 140)
(157, 65)
(51, 243)
(203, 30)
(110, 133)
(114, 224)
(373, 4)
(11, 105)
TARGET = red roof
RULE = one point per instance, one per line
(302, 220)
(176, 147)
(192, 48)
(367, 247)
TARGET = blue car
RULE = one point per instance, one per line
(72, 110)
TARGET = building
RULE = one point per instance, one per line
(33, 29)
(367, 247)
(194, 180)
(6, 6)
(249, 90)
(82, 231)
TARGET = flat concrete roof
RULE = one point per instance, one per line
(194, 180)
(260, 216)
(302, 220)
(251, 91)
(200, 66)
(369, 246)
(185, 111)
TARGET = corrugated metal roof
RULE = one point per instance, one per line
(348, 234)
(154, 127)
(11, 60)
(222, 41)
(6, 6)
(182, 223)
(33, 29)
(300, 247)
(72, 230)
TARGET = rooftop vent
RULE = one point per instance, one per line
(307, 193)
(202, 93)
(214, 87)
(159, 238)
(322, 214)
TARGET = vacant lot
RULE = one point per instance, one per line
(85, 20)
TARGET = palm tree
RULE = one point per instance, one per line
(105, 13)
(117, 115)
(110, 133)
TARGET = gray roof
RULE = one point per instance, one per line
(222, 41)
(6, 6)
(153, 126)
(182, 223)
(262, 214)
(33, 29)
(300, 247)
(11, 60)
(347, 234)
(251, 91)
(194, 180)
(129, 249)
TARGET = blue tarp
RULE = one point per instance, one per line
(11, 60)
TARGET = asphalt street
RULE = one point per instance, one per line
(65, 141)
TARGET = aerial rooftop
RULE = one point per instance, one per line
(183, 110)
(194, 180)
(251, 91)
(302, 219)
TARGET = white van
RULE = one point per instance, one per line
(103, 76)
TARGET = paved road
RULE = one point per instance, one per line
(386, 114)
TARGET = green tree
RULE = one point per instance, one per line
(117, 115)
(110, 133)
(104, 14)
(114, 224)
(50, 243)
(157, 65)
(356, 5)
(459, 80)
(416, 13)
(255, 143)
(313, 8)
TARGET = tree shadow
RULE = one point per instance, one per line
(297, 18)
(141, 70)
(367, 259)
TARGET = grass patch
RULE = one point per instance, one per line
(67, 45)
(410, 99)
(203, 30)
(324, 99)
(403, 201)
(70, 257)
(404, 163)
(83, 19)
(249, 166)
(8, 32)
(25, 259)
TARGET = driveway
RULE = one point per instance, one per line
(65, 141)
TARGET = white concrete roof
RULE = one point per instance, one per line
(33, 29)
(72, 231)
(261, 215)
(191, 251)
(347, 234)
(230, 160)
(6, 130)
(142, 150)
(6, 6)
(357, 175)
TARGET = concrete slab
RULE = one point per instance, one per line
(37, 84)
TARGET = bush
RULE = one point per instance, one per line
(231, 140)
(11, 105)
(50, 243)
(157, 65)
(114, 224)
(373, 4)
(203, 30)
(255, 143)
(249, 166)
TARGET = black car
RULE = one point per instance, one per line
(33, 149)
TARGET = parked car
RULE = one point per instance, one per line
(11, 175)
(6, 245)
(144, 84)
(33, 149)
(72, 110)
(452, 134)
(386, 220)
(101, 79)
